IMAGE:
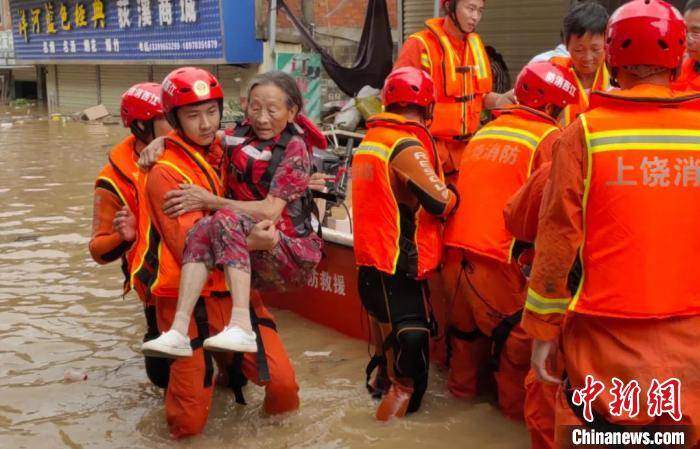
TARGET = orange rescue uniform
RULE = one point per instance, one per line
(521, 216)
(620, 194)
(689, 77)
(461, 71)
(486, 287)
(115, 188)
(157, 257)
(399, 202)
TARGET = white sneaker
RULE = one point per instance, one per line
(232, 339)
(170, 345)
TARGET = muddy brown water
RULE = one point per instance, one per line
(61, 311)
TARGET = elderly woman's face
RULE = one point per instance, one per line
(268, 112)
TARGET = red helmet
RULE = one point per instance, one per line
(189, 85)
(141, 102)
(543, 83)
(408, 85)
(645, 32)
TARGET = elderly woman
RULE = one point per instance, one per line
(266, 175)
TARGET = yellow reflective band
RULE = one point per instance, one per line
(645, 139)
(425, 61)
(539, 304)
(206, 165)
(374, 149)
(116, 189)
(177, 169)
(425, 56)
(602, 78)
(479, 56)
(133, 273)
(584, 209)
(451, 54)
(160, 257)
(510, 134)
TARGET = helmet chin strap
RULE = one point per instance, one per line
(143, 131)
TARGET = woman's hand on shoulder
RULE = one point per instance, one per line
(188, 198)
(151, 153)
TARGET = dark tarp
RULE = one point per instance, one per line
(374, 55)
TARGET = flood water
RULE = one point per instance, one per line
(59, 310)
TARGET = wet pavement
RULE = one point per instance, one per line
(61, 311)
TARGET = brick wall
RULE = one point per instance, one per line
(329, 14)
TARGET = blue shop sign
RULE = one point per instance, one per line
(212, 31)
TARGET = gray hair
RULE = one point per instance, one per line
(284, 82)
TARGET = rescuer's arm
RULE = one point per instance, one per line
(559, 237)
(106, 245)
(545, 150)
(523, 209)
(411, 55)
(411, 164)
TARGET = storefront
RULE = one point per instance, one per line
(91, 51)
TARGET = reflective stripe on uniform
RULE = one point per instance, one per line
(511, 134)
(644, 139)
(539, 304)
(478, 52)
(177, 169)
(426, 57)
(374, 149)
(115, 186)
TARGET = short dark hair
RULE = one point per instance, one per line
(401, 109)
(692, 5)
(284, 82)
(585, 17)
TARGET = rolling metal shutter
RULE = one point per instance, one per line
(414, 14)
(77, 87)
(161, 71)
(521, 30)
(115, 79)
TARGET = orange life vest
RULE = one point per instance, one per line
(600, 83)
(495, 164)
(154, 264)
(641, 206)
(689, 77)
(461, 80)
(120, 176)
(376, 219)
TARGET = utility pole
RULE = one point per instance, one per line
(307, 17)
(272, 39)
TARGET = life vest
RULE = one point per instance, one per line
(119, 176)
(461, 80)
(154, 264)
(250, 168)
(379, 234)
(689, 77)
(641, 206)
(600, 83)
(495, 164)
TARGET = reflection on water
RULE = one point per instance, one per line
(60, 311)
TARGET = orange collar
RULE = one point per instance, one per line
(525, 112)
